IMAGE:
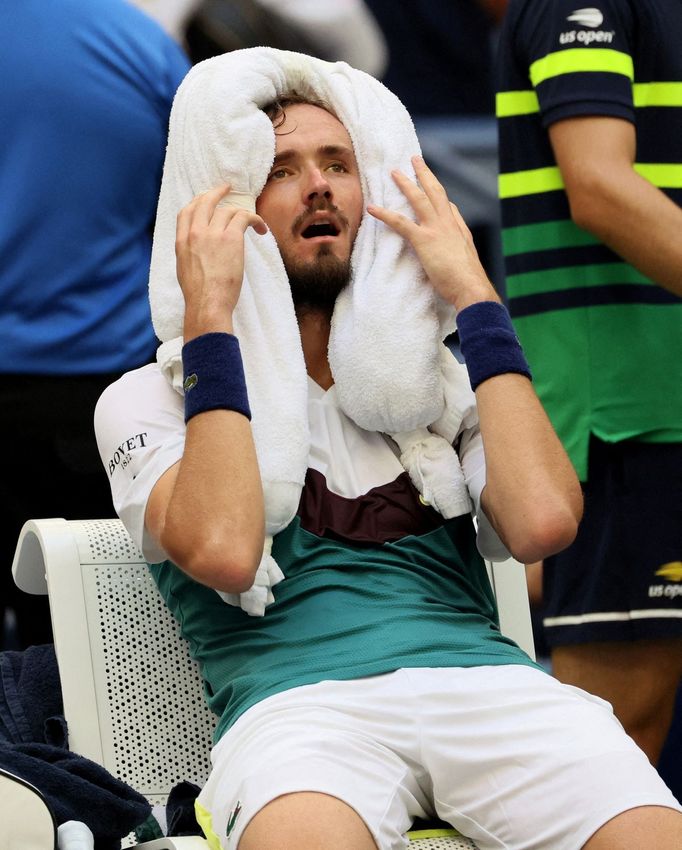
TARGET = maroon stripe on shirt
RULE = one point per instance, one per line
(382, 515)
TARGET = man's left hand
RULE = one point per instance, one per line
(440, 238)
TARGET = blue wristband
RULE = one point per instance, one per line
(489, 343)
(214, 375)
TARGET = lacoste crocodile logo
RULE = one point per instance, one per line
(234, 814)
(190, 382)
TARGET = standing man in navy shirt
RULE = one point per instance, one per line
(590, 116)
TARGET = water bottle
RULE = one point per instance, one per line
(75, 835)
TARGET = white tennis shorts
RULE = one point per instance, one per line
(508, 755)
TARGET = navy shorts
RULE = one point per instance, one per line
(622, 577)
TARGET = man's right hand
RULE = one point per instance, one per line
(209, 250)
(206, 511)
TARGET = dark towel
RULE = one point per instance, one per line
(76, 788)
(180, 815)
(33, 746)
(31, 707)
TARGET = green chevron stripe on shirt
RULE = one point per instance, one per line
(657, 94)
(525, 101)
(508, 103)
(544, 237)
(663, 175)
(572, 277)
(514, 184)
(581, 59)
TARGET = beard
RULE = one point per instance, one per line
(316, 285)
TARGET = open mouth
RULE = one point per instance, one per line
(324, 228)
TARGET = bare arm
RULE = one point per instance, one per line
(207, 510)
(610, 200)
(532, 496)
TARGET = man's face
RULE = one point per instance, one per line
(312, 202)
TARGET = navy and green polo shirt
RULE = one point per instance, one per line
(375, 580)
(603, 341)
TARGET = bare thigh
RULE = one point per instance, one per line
(639, 829)
(639, 678)
(307, 821)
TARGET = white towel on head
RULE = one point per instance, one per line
(385, 349)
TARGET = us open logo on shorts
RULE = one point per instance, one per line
(672, 589)
(232, 819)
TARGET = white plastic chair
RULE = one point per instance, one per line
(133, 697)
(26, 819)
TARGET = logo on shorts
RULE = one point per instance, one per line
(671, 572)
(232, 819)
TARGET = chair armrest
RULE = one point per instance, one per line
(508, 579)
(40, 540)
(27, 820)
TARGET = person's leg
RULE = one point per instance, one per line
(317, 767)
(520, 760)
(639, 679)
(639, 829)
(307, 821)
(670, 763)
(613, 602)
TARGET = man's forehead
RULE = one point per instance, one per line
(306, 119)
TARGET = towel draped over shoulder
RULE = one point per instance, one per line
(391, 370)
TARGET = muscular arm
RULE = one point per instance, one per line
(610, 200)
(207, 510)
(532, 496)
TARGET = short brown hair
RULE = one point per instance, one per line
(276, 109)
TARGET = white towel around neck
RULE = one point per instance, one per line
(391, 369)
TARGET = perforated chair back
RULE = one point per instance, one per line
(133, 697)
